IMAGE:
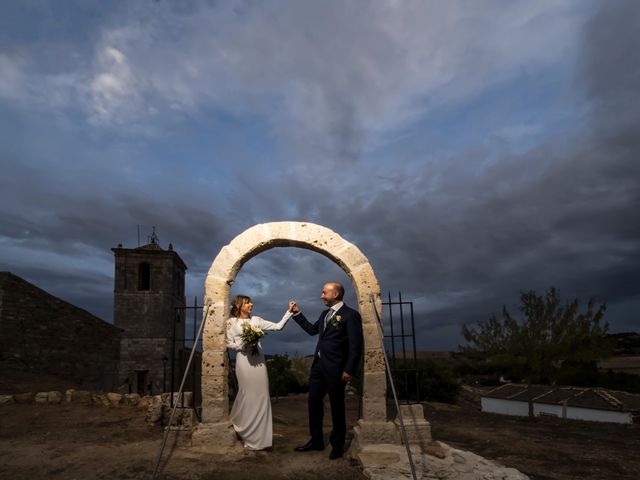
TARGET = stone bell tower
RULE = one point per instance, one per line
(149, 285)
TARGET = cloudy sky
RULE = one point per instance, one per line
(470, 149)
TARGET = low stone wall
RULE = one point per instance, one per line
(157, 407)
(84, 397)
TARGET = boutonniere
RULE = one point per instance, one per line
(336, 320)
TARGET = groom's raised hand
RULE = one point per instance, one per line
(293, 307)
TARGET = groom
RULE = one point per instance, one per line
(336, 360)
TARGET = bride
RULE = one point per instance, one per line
(251, 411)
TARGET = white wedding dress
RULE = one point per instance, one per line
(251, 411)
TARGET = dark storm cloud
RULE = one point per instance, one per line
(98, 218)
(612, 61)
(572, 220)
(54, 233)
(563, 214)
(459, 231)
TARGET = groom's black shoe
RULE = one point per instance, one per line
(335, 454)
(309, 446)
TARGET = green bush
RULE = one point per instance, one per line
(578, 374)
(300, 367)
(424, 381)
(588, 375)
(282, 379)
(626, 382)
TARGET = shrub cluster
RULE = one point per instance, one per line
(424, 381)
(283, 379)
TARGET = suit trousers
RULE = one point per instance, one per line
(322, 383)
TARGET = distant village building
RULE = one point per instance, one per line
(148, 297)
(592, 404)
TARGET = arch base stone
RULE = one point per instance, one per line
(367, 433)
(417, 429)
(215, 438)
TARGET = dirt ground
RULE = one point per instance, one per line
(545, 448)
(70, 441)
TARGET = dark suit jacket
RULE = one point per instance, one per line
(340, 346)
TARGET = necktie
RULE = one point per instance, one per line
(328, 317)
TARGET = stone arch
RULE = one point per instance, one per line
(215, 431)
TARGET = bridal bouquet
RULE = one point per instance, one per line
(251, 336)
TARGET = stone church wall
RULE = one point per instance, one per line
(48, 335)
